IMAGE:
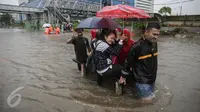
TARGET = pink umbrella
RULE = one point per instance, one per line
(140, 12)
(122, 11)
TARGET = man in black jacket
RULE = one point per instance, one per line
(142, 62)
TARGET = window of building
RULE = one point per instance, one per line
(144, 7)
(146, 4)
(145, 1)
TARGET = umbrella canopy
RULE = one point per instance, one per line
(122, 11)
(98, 23)
(141, 13)
(46, 25)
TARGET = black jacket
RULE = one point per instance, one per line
(142, 62)
(81, 45)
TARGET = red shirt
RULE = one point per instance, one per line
(93, 33)
(125, 50)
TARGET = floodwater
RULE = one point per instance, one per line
(38, 75)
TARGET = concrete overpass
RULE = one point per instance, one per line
(53, 11)
(75, 9)
(19, 9)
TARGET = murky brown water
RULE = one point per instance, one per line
(43, 66)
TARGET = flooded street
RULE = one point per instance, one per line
(40, 71)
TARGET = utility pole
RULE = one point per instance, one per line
(181, 10)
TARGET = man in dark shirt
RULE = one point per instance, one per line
(81, 46)
(142, 62)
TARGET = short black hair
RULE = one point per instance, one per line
(152, 25)
(79, 29)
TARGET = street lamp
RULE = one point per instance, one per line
(100, 4)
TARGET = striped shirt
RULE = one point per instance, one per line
(103, 55)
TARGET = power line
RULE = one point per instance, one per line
(175, 2)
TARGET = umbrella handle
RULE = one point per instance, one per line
(131, 28)
(123, 23)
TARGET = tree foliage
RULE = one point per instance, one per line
(6, 19)
(165, 10)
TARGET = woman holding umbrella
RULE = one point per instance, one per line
(103, 58)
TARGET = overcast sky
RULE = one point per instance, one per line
(189, 8)
(11, 2)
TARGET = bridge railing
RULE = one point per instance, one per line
(55, 10)
(66, 9)
(77, 5)
(47, 3)
(6, 7)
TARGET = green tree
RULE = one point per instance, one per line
(164, 10)
(6, 18)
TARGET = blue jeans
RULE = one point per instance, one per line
(145, 90)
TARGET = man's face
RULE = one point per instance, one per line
(79, 33)
(152, 34)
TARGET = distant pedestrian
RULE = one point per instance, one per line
(46, 30)
(93, 33)
(50, 29)
(57, 30)
(38, 25)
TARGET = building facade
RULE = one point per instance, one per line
(127, 2)
(16, 17)
(146, 5)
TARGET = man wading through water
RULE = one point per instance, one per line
(81, 46)
(142, 63)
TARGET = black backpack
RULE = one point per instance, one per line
(91, 63)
